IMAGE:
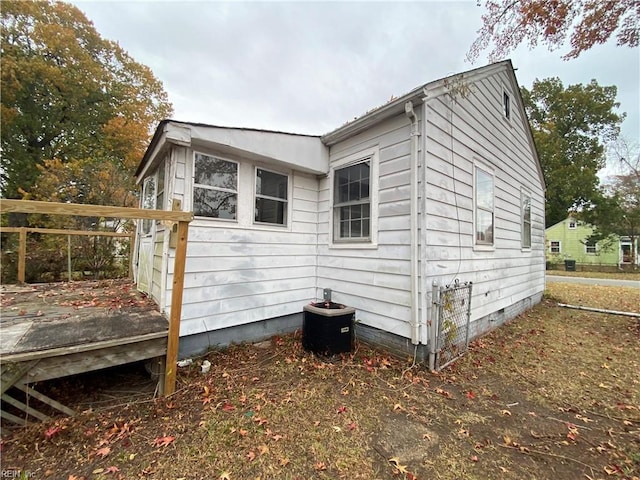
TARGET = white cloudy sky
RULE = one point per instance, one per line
(309, 67)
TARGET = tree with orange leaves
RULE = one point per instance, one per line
(70, 99)
(509, 23)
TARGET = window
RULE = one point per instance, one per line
(590, 247)
(148, 201)
(526, 220)
(160, 193)
(215, 187)
(506, 105)
(484, 207)
(554, 246)
(572, 224)
(352, 202)
(271, 197)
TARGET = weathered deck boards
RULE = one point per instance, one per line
(54, 330)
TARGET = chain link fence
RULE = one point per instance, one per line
(453, 307)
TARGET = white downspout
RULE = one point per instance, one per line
(415, 300)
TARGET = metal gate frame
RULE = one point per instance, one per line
(450, 337)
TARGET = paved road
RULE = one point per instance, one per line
(594, 281)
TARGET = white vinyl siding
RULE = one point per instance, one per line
(244, 271)
(457, 132)
(373, 277)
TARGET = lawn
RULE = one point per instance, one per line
(612, 275)
(552, 395)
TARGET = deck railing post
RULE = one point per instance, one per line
(176, 308)
(22, 254)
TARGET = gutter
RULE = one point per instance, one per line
(415, 300)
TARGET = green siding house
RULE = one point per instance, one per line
(567, 240)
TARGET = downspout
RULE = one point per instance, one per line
(415, 300)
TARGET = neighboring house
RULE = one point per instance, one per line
(440, 184)
(568, 240)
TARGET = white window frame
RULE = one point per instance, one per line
(551, 242)
(595, 248)
(526, 242)
(217, 189)
(287, 201)
(371, 155)
(482, 245)
(572, 224)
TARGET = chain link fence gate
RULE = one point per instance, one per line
(453, 313)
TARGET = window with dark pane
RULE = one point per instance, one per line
(506, 104)
(271, 197)
(352, 203)
(215, 187)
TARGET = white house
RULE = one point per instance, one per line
(440, 184)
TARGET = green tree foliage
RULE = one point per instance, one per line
(77, 113)
(571, 127)
(70, 100)
(615, 212)
(508, 23)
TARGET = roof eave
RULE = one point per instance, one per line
(360, 124)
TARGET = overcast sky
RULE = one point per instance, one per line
(310, 67)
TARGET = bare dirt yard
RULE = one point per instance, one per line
(554, 394)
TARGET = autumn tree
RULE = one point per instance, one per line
(77, 113)
(509, 23)
(571, 127)
(71, 100)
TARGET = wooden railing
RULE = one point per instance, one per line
(181, 218)
(22, 245)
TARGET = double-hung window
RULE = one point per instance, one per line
(591, 247)
(271, 197)
(215, 187)
(484, 215)
(352, 202)
(554, 246)
(526, 220)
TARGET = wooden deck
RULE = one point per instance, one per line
(50, 331)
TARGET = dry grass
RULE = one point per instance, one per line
(552, 395)
(611, 275)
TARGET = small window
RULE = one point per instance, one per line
(160, 193)
(506, 105)
(215, 187)
(148, 201)
(484, 207)
(591, 247)
(160, 190)
(572, 224)
(554, 246)
(271, 197)
(352, 202)
(526, 220)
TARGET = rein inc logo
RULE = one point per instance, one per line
(16, 473)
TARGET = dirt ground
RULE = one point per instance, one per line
(552, 395)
